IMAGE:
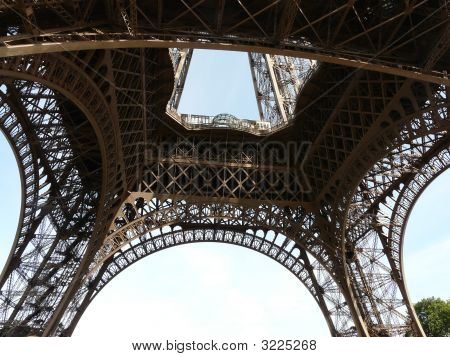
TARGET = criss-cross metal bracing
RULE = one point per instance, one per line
(61, 173)
(323, 181)
(379, 34)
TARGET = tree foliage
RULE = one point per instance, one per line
(434, 315)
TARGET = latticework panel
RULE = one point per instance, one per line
(59, 207)
(376, 222)
(377, 34)
(201, 168)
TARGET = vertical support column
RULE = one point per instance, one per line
(374, 281)
(181, 60)
(276, 87)
(125, 17)
(49, 243)
(354, 306)
(133, 17)
(258, 94)
(277, 81)
(267, 89)
(320, 293)
(144, 109)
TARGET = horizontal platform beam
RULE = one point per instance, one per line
(313, 54)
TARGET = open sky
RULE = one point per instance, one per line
(214, 290)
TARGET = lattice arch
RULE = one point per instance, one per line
(41, 98)
(322, 286)
(409, 194)
(411, 131)
(145, 220)
(58, 211)
(377, 218)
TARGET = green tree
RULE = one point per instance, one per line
(434, 315)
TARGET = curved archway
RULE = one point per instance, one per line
(411, 192)
(379, 210)
(286, 252)
(142, 212)
(11, 193)
(371, 243)
(146, 218)
(63, 76)
(58, 183)
(425, 244)
(200, 290)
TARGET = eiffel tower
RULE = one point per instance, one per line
(353, 126)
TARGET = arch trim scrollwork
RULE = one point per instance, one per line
(322, 286)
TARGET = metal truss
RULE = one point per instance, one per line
(181, 60)
(63, 176)
(277, 81)
(385, 111)
(376, 220)
(145, 218)
(374, 241)
(58, 209)
(144, 227)
(109, 177)
(139, 211)
(377, 36)
(238, 171)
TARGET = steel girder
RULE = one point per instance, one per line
(377, 138)
(63, 176)
(375, 35)
(374, 233)
(313, 236)
(59, 206)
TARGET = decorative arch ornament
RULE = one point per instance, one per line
(146, 225)
(303, 266)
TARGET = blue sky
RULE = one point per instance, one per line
(215, 290)
(212, 90)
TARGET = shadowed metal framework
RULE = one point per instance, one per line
(353, 100)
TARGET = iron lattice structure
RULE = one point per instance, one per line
(353, 100)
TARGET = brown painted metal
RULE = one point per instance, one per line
(323, 182)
